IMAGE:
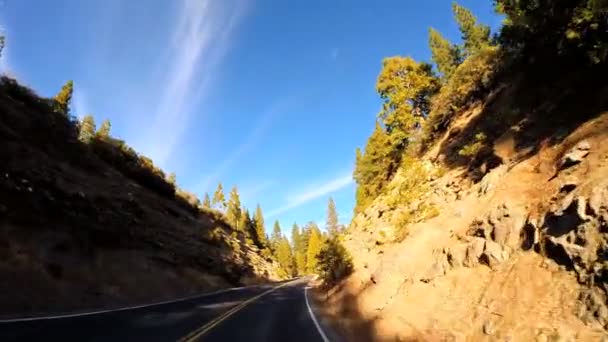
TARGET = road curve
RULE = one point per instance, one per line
(257, 313)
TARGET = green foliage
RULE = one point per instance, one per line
(406, 87)
(475, 36)
(299, 248)
(333, 227)
(2, 41)
(471, 149)
(248, 226)
(446, 56)
(214, 236)
(219, 200)
(87, 129)
(373, 168)
(333, 261)
(471, 78)
(542, 31)
(206, 201)
(260, 227)
(63, 98)
(285, 258)
(314, 247)
(276, 236)
(233, 211)
(408, 194)
(104, 130)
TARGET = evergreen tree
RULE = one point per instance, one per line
(445, 55)
(259, 226)
(298, 249)
(206, 201)
(333, 261)
(219, 200)
(276, 236)
(87, 129)
(406, 88)
(248, 227)
(373, 168)
(104, 130)
(63, 98)
(285, 257)
(474, 35)
(314, 247)
(233, 211)
(332, 218)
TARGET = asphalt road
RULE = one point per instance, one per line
(257, 313)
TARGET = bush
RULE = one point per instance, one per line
(333, 261)
(214, 236)
(472, 78)
(407, 194)
(471, 149)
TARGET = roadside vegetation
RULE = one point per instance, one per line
(421, 99)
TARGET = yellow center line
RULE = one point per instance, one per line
(194, 335)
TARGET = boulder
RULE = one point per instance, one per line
(474, 251)
(575, 155)
(457, 254)
(505, 224)
(494, 254)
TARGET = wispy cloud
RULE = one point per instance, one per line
(200, 40)
(312, 193)
(262, 125)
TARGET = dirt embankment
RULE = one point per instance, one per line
(518, 248)
(77, 233)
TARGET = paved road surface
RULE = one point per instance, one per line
(257, 313)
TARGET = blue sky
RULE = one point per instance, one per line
(273, 96)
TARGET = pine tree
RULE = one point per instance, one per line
(247, 225)
(332, 218)
(314, 247)
(87, 129)
(206, 201)
(276, 236)
(233, 211)
(104, 130)
(259, 227)
(373, 168)
(298, 249)
(219, 200)
(475, 36)
(63, 98)
(285, 258)
(445, 55)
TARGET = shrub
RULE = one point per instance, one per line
(473, 77)
(333, 261)
(407, 194)
(471, 149)
(214, 236)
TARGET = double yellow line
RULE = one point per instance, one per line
(196, 334)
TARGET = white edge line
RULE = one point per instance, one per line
(15, 320)
(314, 319)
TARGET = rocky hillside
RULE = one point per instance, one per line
(493, 224)
(82, 229)
(520, 254)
